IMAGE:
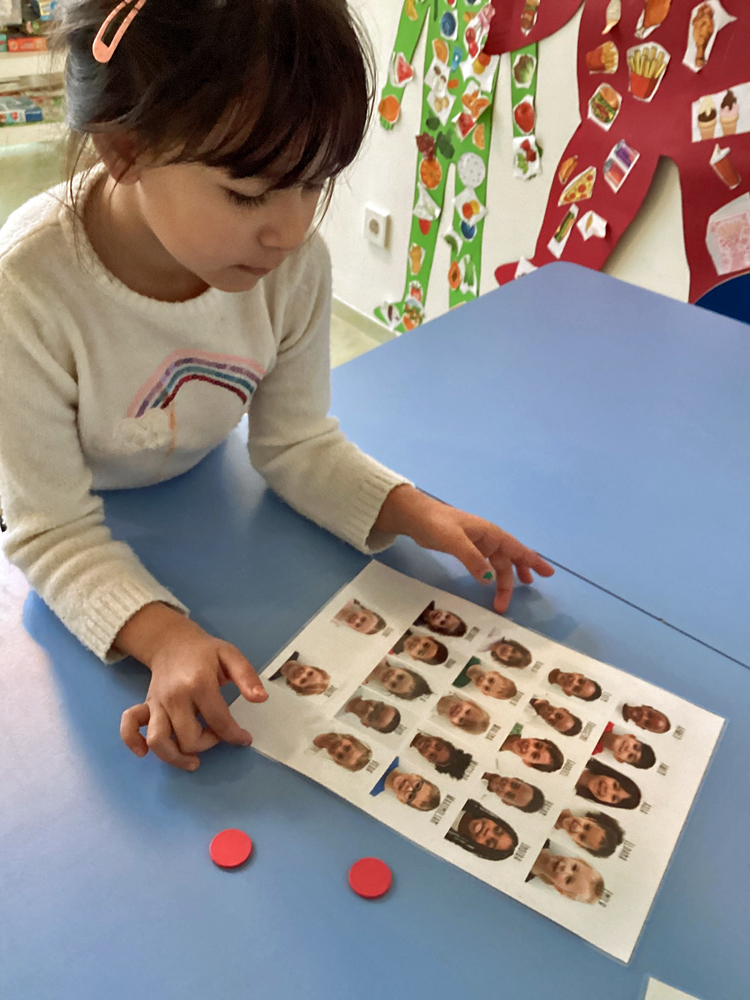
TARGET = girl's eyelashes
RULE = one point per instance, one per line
(245, 200)
(255, 201)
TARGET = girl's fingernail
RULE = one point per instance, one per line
(489, 576)
(193, 765)
(257, 692)
(247, 741)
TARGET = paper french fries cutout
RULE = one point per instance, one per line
(605, 58)
(648, 64)
(658, 105)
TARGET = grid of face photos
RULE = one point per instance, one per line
(557, 779)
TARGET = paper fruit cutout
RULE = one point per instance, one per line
(524, 116)
(527, 157)
(401, 72)
(471, 170)
(390, 109)
(524, 67)
(580, 188)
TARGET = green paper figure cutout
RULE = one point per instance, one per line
(456, 127)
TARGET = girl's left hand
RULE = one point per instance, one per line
(481, 546)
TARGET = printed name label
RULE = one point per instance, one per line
(567, 768)
(627, 847)
(443, 808)
(521, 852)
(587, 731)
(494, 730)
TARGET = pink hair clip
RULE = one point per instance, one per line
(103, 53)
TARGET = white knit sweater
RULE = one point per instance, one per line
(103, 388)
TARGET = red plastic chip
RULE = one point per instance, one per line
(370, 877)
(230, 848)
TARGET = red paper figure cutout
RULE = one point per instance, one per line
(639, 105)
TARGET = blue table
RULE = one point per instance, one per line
(108, 892)
(606, 426)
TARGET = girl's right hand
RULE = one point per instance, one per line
(188, 667)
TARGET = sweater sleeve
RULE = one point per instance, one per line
(56, 533)
(294, 444)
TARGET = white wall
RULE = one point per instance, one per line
(651, 253)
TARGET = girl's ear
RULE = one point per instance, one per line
(118, 154)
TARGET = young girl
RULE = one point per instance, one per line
(148, 305)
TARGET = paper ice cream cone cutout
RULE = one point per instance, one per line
(707, 118)
(729, 113)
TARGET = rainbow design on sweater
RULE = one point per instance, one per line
(227, 371)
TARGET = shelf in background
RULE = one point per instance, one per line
(15, 64)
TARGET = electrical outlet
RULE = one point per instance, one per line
(376, 226)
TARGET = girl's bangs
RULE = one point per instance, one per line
(298, 114)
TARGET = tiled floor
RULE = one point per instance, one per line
(27, 170)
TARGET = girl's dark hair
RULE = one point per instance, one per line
(647, 758)
(457, 632)
(420, 686)
(613, 834)
(556, 758)
(276, 87)
(536, 801)
(634, 792)
(456, 766)
(462, 837)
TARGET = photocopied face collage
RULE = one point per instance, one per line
(553, 777)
